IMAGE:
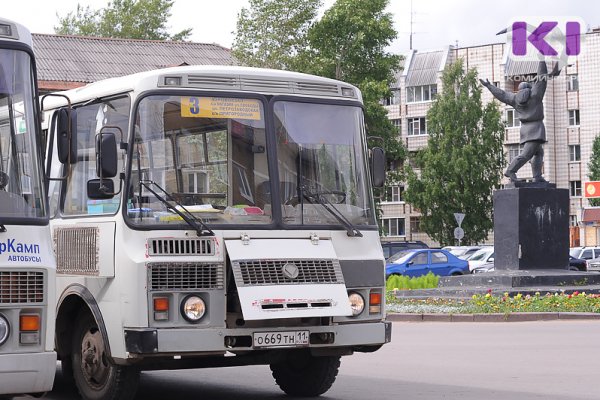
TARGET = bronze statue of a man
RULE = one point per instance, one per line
(528, 105)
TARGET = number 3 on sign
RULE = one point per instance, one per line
(194, 104)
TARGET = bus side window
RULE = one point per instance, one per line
(90, 119)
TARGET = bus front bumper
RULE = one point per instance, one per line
(150, 341)
(23, 373)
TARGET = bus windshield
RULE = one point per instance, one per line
(209, 156)
(322, 170)
(20, 167)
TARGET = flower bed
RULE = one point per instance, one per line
(488, 303)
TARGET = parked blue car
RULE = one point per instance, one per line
(422, 261)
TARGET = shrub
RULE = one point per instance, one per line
(400, 282)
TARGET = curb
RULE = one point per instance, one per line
(511, 317)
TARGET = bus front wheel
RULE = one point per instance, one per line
(302, 375)
(96, 377)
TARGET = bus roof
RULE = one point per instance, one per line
(14, 32)
(216, 78)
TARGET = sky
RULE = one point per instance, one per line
(435, 23)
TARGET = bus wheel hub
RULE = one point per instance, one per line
(94, 365)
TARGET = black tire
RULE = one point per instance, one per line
(66, 366)
(96, 377)
(303, 375)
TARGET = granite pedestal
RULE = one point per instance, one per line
(531, 228)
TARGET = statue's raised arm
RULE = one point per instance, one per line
(502, 95)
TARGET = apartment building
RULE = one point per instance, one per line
(572, 119)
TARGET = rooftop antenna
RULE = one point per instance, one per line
(411, 24)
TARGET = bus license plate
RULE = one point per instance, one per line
(281, 339)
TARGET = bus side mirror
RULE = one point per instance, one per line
(106, 167)
(100, 189)
(106, 155)
(66, 128)
(378, 166)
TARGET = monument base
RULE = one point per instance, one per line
(525, 184)
(531, 228)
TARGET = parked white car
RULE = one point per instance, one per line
(462, 252)
(482, 256)
(585, 253)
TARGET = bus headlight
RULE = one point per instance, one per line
(4, 329)
(193, 308)
(357, 303)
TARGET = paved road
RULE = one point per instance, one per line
(552, 360)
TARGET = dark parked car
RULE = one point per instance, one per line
(422, 261)
(577, 264)
(391, 248)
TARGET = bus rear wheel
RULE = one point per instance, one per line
(96, 377)
(302, 375)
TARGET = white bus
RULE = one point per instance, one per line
(216, 216)
(27, 266)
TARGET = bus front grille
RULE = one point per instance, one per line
(185, 276)
(287, 272)
(19, 287)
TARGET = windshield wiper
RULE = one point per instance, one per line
(322, 200)
(201, 228)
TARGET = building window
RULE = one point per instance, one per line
(415, 94)
(573, 117)
(513, 151)
(417, 126)
(572, 83)
(394, 227)
(511, 118)
(415, 224)
(575, 188)
(398, 125)
(573, 220)
(394, 193)
(574, 152)
(393, 99)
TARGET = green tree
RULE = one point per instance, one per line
(462, 162)
(349, 43)
(131, 19)
(594, 167)
(270, 33)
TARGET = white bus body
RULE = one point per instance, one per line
(27, 267)
(237, 229)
